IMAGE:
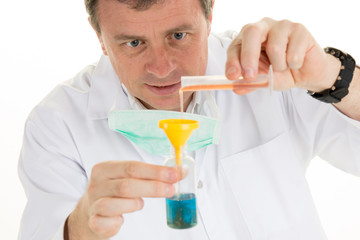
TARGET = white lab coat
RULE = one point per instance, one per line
(250, 186)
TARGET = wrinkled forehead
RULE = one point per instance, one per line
(139, 5)
(113, 14)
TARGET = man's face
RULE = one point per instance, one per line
(150, 50)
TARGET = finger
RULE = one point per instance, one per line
(105, 227)
(183, 171)
(112, 207)
(136, 188)
(134, 169)
(233, 67)
(242, 91)
(276, 45)
(299, 42)
(253, 36)
(264, 63)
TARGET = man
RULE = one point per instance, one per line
(84, 181)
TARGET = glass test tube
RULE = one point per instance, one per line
(200, 83)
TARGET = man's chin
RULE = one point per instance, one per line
(164, 104)
(168, 108)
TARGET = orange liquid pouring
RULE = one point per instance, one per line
(181, 94)
(238, 85)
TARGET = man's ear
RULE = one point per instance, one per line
(98, 34)
(210, 18)
(212, 10)
(102, 44)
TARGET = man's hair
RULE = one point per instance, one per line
(139, 5)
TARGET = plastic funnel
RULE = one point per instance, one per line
(178, 131)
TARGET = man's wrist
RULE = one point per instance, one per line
(340, 88)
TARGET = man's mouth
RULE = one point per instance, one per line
(164, 90)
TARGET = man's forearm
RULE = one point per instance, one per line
(350, 104)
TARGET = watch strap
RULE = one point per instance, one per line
(341, 86)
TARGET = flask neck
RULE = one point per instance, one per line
(182, 150)
(179, 153)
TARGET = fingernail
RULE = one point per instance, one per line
(242, 91)
(172, 176)
(249, 73)
(140, 204)
(231, 71)
(121, 220)
(169, 191)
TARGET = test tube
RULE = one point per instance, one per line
(218, 82)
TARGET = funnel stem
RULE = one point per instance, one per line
(178, 155)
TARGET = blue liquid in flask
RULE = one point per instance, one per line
(181, 211)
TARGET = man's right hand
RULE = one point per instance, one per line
(115, 188)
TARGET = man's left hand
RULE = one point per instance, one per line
(296, 58)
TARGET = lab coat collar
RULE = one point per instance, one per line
(105, 86)
(194, 106)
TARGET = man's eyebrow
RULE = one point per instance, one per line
(127, 37)
(181, 28)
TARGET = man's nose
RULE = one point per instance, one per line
(161, 62)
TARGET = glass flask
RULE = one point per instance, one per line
(181, 208)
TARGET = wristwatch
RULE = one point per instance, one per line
(341, 87)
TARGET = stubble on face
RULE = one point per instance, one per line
(152, 71)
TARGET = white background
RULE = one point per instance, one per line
(44, 42)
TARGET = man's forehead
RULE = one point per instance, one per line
(144, 5)
(169, 12)
(139, 5)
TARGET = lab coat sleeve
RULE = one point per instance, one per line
(59, 235)
(227, 35)
(350, 120)
(333, 136)
(51, 174)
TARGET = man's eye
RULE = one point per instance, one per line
(134, 43)
(178, 36)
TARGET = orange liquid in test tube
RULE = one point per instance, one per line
(220, 82)
(236, 85)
